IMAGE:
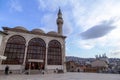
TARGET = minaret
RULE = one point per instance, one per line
(59, 22)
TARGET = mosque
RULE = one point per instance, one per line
(33, 49)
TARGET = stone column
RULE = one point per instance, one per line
(46, 56)
(64, 58)
(25, 55)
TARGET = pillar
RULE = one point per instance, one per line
(25, 55)
(63, 57)
(46, 56)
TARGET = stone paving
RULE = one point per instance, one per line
(64, 76)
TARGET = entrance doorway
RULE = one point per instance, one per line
(35, 64)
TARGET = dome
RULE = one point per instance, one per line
(20, 28)
(52, 33)
(37, 31)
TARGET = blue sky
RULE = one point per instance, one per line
(92, 26)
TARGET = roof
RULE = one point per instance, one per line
(20, 28)
(34, 31)
(99, 63)
(52, 33)
(38, 31)
(1, 32)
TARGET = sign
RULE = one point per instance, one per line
(35, 60)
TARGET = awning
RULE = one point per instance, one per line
(2, 57)
(35, 60)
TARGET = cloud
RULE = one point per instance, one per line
(87, 15)
(52, 6)
(15, 6)
(44, 5)
(67, 29)
(48, 18)
(41, 4)
(67, 26)
(86, 45)
(115, 53)
(99, 30)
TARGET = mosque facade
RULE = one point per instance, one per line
(33, 49)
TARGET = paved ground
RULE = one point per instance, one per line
(65, 76)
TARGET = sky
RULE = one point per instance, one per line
(92, 27)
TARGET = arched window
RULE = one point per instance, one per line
(54, 53)
(36, 49)
(14, 50)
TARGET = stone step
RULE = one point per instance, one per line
(34, 72)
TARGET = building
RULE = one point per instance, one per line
(72, 66)
(33, 49)
(103, 57)
(101, 65)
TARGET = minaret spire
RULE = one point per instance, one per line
(59, 22)
(59, 12)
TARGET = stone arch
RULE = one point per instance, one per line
(14, 50)
(36, 50)
(54, 56)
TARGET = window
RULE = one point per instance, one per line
(54, 53)
(14, 50)
(36, 49)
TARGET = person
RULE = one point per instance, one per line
(6, 70)
(33, 66)
(42, 69)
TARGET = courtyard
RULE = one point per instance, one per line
(65, 76)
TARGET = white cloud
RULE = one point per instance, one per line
(41, 4)
(49, 5)
(98, 30)
(86, 44)
(115, 53)
(52, 6)
(67, 26)
(15, 6)
(49, 18)
(87, 16)
(110, 42)
(112, 39)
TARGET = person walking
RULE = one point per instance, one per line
(6, 70)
